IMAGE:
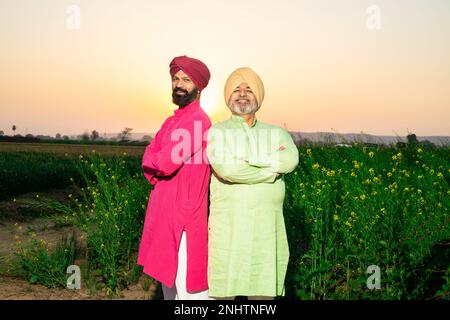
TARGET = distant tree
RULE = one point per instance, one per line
(125, 134)
(412, 142)
(410, 149)
(85, 136)
(412, 139)
(29, 136)
(58, 136)
(65, 138)
(146, 138)
(14, 129)
(94, 135)
(1, 133)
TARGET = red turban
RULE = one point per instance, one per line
(195, 69)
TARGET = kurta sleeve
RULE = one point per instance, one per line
(152, 148)
(280, 161)
(232, 169)
(187, 140)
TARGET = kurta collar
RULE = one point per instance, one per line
(238, 119)
(190, 107)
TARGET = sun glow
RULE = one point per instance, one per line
(209, 100)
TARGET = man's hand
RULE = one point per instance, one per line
(281, 148)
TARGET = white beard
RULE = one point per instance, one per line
(248, 108)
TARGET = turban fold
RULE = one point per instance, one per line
(194, 68)
(251, 78)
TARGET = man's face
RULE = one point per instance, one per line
(184, 90)
(242, 100)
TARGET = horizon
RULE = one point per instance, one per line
(377, 67)
(143, 133)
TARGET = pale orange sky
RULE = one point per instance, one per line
(321, 65)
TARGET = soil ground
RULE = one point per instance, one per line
(20, 221)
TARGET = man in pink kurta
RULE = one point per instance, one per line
(175, 225)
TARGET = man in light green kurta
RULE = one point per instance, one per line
(248, 250)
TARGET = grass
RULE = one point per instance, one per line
(70, 148)
(42, 167)
(39, 264)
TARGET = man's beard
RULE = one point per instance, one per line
(248, 108)
(184, 100)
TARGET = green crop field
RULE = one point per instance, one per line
(347, 211)
(29, 167)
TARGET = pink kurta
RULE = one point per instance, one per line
(179, 200)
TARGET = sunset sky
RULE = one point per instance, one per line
(322, 65)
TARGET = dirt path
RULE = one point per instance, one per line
(11, 233)
(17, 289)
(16, 228)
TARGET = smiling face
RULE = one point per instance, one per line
(184, 90)
(243, 100)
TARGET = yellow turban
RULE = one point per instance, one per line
(251, 78)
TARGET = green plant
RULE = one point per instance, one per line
(111, 211)
(349, 208)
(44, 265)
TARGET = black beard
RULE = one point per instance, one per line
(184, 100)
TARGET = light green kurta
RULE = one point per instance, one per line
(248, 250)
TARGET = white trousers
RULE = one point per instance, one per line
(178, 291)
